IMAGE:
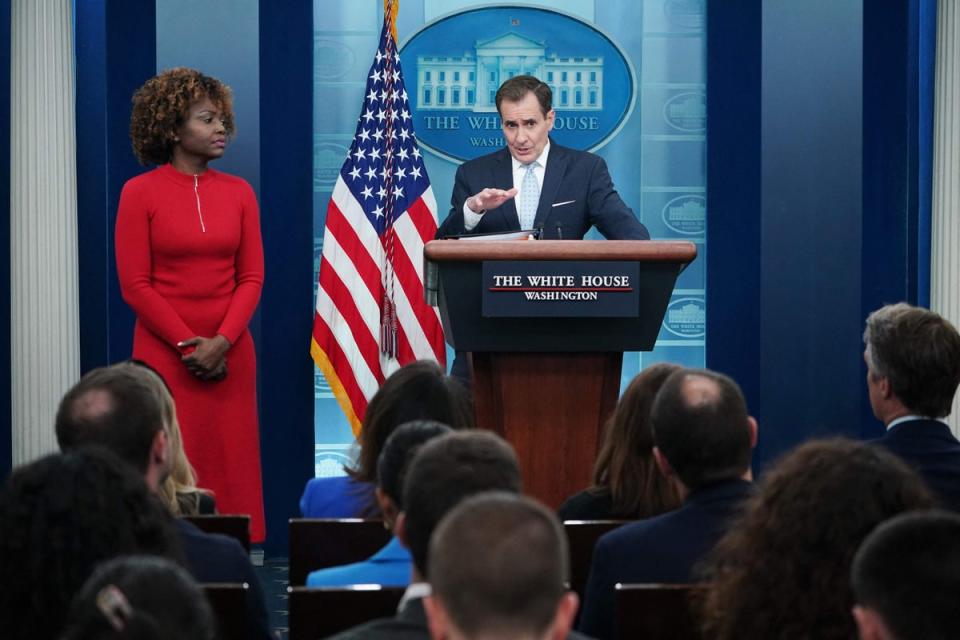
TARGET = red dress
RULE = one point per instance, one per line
(190, 263)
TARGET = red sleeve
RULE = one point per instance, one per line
(134, 260)
(249, 271)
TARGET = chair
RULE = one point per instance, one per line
(235, 526)
(320, 612)
(229, 603)
(582, 537)
(317, 543)
(657, 611)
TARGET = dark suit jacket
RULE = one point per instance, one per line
(576, 181)
(215, 558)
(410, 623)
(664, 548)
(930, 448)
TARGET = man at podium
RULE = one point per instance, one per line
(534, 183)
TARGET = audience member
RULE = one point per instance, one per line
(418, 391)
(510, 584)
(783, 568)
(913, 369)
(179, 490)
(906, 577)
(120, 408)
(704, 439)
(447, 470)
(140, 598)
(626, 482)
(59, 517)
(391, 565)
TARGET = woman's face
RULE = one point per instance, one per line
(203, 134)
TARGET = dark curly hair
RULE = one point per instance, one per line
(161, 105)
(59, 517)
(140, 598)
(625, 468)
(782, 570)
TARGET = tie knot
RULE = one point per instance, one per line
(530, 167)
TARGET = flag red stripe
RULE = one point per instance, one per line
(341, 364)
(425, 316)
(367, 344)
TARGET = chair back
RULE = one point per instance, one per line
(582, 537)
(657, 611)
(321, 612)
(229, 603)
(317, 543)
(235, 526)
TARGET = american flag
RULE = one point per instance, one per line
(371, 317)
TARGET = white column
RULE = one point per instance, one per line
(44, 323)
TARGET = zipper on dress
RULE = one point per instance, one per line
(196, 192)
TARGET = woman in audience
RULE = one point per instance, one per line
(140, 597)
(390, 566)
(61, 516)
(626, 482)
(179, 490)
(418, 391)
(782, 570)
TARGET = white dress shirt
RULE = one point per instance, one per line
(471, 219)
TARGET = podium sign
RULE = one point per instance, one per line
(560, 289)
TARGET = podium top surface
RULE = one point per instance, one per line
(633, 250)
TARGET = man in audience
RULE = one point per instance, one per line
(447, 470)
(119, 408)
(703, 440)
(913, 369)
(498, 564)
(906, 576)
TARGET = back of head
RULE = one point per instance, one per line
(140, 597)
(625, 468)
(918, 351)
(401, 447)
(419, 391)
(783, 567)
(59, 518)
(447, 470)
(908, 572)
(700, 424)
(498, 564)
(119, 408)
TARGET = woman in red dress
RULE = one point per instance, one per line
(190, 263)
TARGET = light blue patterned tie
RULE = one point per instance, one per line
(529, 196)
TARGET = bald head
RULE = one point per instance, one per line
(119, 408)
(700, 425)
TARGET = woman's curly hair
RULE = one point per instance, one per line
(59, 518)
(161, 105)
(783, 568)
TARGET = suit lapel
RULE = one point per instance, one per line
(552, 177)
(503, 179)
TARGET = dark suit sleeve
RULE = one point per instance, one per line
(608, 212)
(596, 619)
(453, 225)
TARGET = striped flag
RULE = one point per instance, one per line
(371, 317)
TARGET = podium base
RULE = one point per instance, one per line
(551, 407)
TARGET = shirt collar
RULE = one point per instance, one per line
(541, 159)
(894, 423)
(415, 591)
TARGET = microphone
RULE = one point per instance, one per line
(541, 231)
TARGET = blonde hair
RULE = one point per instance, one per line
(179, 490)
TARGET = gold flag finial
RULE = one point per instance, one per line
(390, 8)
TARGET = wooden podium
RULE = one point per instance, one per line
(547, 383)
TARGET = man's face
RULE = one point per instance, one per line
(525, 127)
